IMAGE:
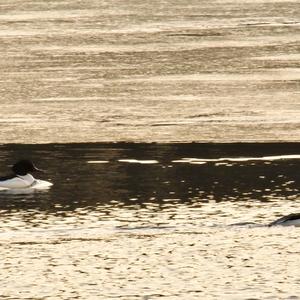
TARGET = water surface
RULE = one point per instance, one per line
(162, 71)
(150, 221)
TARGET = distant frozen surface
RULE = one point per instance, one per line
(164, 71)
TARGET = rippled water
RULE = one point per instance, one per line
(149, 221)
(189, 70)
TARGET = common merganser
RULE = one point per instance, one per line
(289, 220)
(21, 177)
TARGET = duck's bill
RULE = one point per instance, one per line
(39, 170)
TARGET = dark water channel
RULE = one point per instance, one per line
(134, 175)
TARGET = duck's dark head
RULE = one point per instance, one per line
(24, 166)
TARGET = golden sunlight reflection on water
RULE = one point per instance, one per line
(209, 262)
(162, 71)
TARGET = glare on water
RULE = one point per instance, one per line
(164, 71)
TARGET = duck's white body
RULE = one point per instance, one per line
(18, 182)
(24, 182)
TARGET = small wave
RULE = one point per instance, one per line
(144, 228)
(201, 161)
(137, 161)
(236, 159)
(97, 161)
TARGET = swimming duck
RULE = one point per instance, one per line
(21, 177)
(289, 220)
